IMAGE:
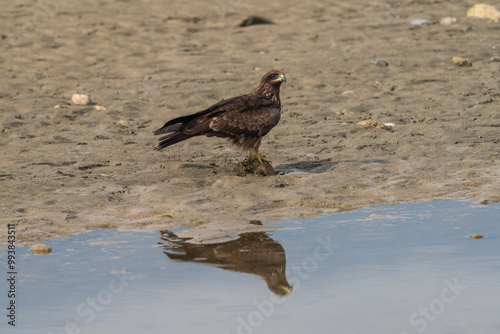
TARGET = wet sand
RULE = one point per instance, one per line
(68, 169)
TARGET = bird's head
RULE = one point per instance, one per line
(270, 85)
(274, 78)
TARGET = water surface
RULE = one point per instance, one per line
(406, 268)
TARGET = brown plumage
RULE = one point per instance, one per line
(253, 253)
(243, 119)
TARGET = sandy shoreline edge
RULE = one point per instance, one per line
(74, 168)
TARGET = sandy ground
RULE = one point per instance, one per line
(75, 168)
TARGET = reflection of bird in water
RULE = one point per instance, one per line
(253, 253)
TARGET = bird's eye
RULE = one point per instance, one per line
(274, 76)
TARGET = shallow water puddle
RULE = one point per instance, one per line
(391, 269)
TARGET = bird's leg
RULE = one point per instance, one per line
(261, 158)
(255, 155)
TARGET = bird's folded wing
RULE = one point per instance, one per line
(256, 121)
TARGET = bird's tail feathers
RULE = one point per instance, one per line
(168, 129)
(170, 139)
(176, 124)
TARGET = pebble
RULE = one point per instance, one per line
(459, 61)
(348, 92)
(381, 62)
(255, 19)
(368, 122)
(123, 123)
(483, 11)
(446, 21)
(311, 156)
(81, 99)
(40, 249)
(476, 236)
(57, 106)
(387, 126)
(277, 184)
(495, 59)
(99, 108)
(419, 22)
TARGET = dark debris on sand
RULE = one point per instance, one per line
(246, 167)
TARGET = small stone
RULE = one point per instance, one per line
(57, 106)
(368, 122)
(278, 184)
(459, 61)
(483, 11)
(123, 123)
(495, 59)
(99, 108)
(419, 22)
(381, 63)
(348, 92)
(311, 156)
(163, 216)
(476, 236)
(446, 21)
(41, 249)
(387, 126)
(255, 19)
(81, 99)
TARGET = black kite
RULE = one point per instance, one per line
(243, 119)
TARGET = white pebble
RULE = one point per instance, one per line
(81, 99)
(311, 156)
(446, 21)
(419, 22)
(389, 125)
